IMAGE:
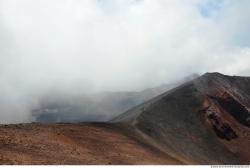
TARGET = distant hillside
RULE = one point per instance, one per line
(96, 107)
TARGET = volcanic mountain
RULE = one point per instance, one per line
(204, 121)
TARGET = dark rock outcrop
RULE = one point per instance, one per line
(201, 121)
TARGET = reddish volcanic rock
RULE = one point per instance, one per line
(89, 143)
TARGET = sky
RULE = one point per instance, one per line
(85, 46)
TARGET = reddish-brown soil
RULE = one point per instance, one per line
(75, 144)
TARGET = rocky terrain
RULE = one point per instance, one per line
(90, 143)
(204, 121)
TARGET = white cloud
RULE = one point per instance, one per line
(79, 46)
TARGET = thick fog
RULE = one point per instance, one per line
(80, 47)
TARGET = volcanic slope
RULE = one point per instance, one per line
(204, 121)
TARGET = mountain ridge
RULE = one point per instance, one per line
(191, 104)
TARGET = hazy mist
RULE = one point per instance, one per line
(76, 47)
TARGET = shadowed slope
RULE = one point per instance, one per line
(202, 121)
